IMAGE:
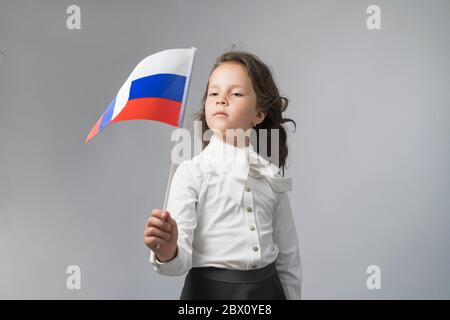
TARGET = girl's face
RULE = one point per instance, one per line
(231, 100)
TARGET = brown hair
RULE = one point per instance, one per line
(268, 99)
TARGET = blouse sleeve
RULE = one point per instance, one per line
(181, 204)
(288, 262)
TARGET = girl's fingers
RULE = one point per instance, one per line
(153, 242)
(157, 213)
(166, 217)
(152, 231)
(161, 214)
(171, 222)
(155, 222)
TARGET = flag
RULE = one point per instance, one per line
(155, 90)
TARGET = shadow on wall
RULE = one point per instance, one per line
(5, 216)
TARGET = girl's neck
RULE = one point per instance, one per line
(234, 141)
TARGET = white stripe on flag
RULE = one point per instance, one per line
(174, 61)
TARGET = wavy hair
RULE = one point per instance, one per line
(268, 100)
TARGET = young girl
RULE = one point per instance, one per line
(228, 221)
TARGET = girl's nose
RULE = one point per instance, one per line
(221, 101)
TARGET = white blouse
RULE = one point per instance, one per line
(233, 211)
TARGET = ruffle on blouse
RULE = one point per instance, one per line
(236, 164)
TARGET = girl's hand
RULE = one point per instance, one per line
(161, 235)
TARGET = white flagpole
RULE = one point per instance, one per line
(180, 125)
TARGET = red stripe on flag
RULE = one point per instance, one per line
(94, 130)
(159, 109)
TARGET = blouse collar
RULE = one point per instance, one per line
(237, 163)
(224, 153)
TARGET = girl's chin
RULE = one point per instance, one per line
(220, 128)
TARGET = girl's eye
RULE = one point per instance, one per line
(215, 94)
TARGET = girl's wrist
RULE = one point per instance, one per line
(168, 260)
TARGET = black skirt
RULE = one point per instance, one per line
(211, 283)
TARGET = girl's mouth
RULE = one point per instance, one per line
(222, 114)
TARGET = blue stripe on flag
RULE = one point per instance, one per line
(107, 115)
(161, 85)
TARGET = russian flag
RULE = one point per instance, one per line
(155, 90)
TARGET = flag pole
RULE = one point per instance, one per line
(180, 125)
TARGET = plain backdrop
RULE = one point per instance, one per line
(369, 159)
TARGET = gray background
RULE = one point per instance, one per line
(369, 160)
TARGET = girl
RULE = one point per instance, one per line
(228, 221)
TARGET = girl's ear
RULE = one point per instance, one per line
(259, 118)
